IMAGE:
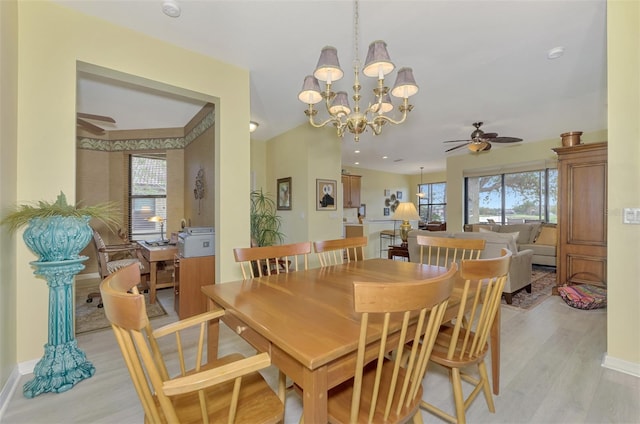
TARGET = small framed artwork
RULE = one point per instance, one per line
(399, 195)
(326, 195)
(387, 192)
(362, 210)
(284, 194)
(386, 211)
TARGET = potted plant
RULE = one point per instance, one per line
(58, 231)
(265, 223)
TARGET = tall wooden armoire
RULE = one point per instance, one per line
(582, 214)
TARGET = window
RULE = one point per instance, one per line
(433, 205)
(147, 195)
(512, 197)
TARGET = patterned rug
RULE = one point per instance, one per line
(91, 318)
(543, 279)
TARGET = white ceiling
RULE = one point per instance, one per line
(473, 60)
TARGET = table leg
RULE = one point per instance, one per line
(314, 398)
(213, 334)
(153, 275)
(495, 353)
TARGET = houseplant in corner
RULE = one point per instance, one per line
(265, 223)
(57, 232)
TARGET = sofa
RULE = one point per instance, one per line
(539, 237)
(519, 271)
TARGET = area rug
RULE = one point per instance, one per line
(91, 318)
(543, 279)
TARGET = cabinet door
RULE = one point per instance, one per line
(355, 191)
(191, 275)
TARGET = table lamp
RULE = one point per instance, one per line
(159, 219)
(406, 212)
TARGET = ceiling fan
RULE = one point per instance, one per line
(92, 128)
(480, 141)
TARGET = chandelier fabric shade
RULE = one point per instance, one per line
(377, 65)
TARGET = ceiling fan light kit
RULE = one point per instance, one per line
(377, 65)
(480, 141)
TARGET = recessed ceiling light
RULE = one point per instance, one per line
(253, 126)
(385, 157)
(357, 151)
(555, 53)
(171, 8)
(357, 163)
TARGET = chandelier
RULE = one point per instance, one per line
(377, 65)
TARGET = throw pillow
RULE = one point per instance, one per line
(548, 236)
(584, 296)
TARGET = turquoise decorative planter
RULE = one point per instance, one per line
(58, 238)
(58, 241)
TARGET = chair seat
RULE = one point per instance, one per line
(340, 398)
(113, 266)
(441, 347)
(255, 397)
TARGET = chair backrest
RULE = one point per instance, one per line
(334, 252)
(101, 255)
(442, 251)
(260, 261)
(395, 388)
(484, 280)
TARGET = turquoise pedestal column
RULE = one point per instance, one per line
(63, 364)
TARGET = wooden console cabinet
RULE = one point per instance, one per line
(582, 214)
(351, 191)
(191, 274)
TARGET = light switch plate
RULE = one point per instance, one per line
(631, 216)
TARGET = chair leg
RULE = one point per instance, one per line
(509, 298)
(458, 398)
(417, 418)
(482, 368)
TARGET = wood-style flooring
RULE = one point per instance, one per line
(551, 373)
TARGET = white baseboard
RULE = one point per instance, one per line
(27, 367)
(9, 388)
(616, 364)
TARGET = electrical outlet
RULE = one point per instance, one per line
(631, 216)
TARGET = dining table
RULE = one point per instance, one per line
(306, 321)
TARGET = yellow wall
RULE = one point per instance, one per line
(46, 89)
(8, 185)
(623, 266)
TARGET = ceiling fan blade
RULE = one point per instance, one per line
(456, 141)
(489, 135)
(96, 117)
(486, 148)
(506, 140)
(93, 129)
(457, 147)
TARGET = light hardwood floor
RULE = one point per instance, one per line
(551, 373)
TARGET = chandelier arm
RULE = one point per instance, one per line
(333, 119)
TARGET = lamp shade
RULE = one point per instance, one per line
(405, 85)
(310, 93)
(406, 211)
(340, 104)
(328, 68)
(378, 64)
(384, 107)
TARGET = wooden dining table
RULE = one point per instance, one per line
(305, 320)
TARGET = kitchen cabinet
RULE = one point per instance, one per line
(191, 274)
(351, 191)
(582, 214)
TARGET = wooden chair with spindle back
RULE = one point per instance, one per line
(338, 251)
(442, 251)
(229, 389)
(260, 261)
(387, 389)
(462, 343)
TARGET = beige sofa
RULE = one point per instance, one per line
(541, 238)
(519, 271)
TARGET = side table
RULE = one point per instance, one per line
(399, 250)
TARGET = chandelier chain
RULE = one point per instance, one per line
(356, 35)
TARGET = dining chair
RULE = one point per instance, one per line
(112, 257)
(387, 389)
(229, 389)
(338, 251)
(462, 343)
(260, 261)
(442, 251)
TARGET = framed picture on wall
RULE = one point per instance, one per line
(284, 194)
(386, 211)
(326, 195)
(399, 195)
